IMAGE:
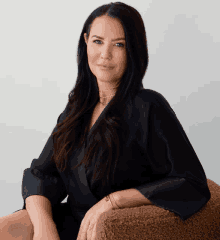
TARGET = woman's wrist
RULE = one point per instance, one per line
(114, 200)
(46, 227)
(131, 198)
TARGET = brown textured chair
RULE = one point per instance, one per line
(153, 223)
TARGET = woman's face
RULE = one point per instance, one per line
(106, 51)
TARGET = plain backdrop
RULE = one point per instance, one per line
(38, 69)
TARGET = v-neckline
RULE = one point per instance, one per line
(98, 119)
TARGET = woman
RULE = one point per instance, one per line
(115, 144)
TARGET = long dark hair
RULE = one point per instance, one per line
(84, 96)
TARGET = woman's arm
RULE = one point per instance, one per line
(40, 212)
(130, 198)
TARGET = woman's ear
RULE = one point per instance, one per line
(86, 41)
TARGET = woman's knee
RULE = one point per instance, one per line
(16, 226)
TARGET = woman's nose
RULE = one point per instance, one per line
(106, 53)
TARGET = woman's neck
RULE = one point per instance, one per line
(106, 92)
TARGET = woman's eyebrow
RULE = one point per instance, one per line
(112, 39)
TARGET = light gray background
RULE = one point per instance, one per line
(38, 44)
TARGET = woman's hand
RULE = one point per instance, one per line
(88, 225)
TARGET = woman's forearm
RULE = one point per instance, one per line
(38, 208)
(47, 230)
(130, 198)
(40, 212)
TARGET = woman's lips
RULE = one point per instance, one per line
(105, 68)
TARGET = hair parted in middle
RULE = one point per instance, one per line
(72, 132)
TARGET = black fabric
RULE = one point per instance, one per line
(67, 225)
(156, 158)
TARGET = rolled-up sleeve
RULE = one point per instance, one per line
(183, 190)
(43, 178)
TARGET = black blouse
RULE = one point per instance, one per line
(157, 159)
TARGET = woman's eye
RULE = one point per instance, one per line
(116, 43)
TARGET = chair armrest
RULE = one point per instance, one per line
(151, 222)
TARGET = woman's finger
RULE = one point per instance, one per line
(82, 235)
(90, 230)
(94, 232)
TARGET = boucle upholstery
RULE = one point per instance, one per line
(151, 222)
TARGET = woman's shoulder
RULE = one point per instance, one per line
(151, 96)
